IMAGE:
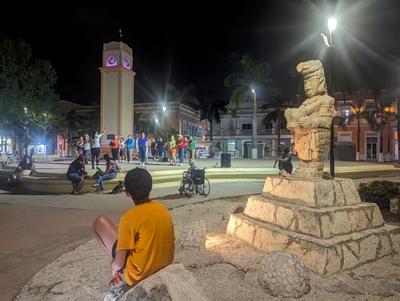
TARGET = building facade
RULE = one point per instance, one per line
(366, 138)
(171, 117)
(234, 132)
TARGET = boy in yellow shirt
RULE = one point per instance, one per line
(144, 242)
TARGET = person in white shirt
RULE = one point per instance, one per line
(95, 149)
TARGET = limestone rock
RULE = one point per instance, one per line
(340, 223)
(193, 236)
(368, 248)
(173, 283)
(283, 275)
(377, 219)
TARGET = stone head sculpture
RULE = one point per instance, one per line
(314, 77)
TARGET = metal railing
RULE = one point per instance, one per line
(247, 132)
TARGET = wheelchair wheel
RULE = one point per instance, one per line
(181, 191)
(188, 187)
(206, 187)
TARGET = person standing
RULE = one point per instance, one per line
(79, 145)
(181, 149)
(115, 148)
(153, 148)
(129, 143)
(142, 149)
(192, 148)
(172, 149)
(122, 149)
(86, 148)
(160, 148)
(95, 150)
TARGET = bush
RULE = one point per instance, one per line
(379, 192)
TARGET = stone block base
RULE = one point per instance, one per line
(322, 256)
(325, 222)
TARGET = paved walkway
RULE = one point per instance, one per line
(36, 229)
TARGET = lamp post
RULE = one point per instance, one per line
(155, 128)
(164, 109)
(332, 23)
(254, 127)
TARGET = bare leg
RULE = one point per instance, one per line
(106, 233)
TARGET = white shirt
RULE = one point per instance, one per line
(96, 140)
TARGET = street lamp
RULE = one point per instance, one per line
(332, 23)
(164, 109)
(254, 127)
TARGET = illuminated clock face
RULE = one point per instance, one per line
(127, 63)
(111, 60)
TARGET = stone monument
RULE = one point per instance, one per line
(321, 221)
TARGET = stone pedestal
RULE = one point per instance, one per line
(323, 222)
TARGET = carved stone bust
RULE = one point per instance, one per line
(311, 122)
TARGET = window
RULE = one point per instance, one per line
(246, 126)
(345, 111)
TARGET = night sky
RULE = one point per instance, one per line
(198, 41)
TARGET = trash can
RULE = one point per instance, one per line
(225, 160)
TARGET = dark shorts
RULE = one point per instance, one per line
(113, 250)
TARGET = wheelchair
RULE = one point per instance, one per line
(194, 182)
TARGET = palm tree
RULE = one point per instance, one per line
(276, 115)
(251, 75)
(183, 96)
(211, 110)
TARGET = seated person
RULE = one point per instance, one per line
(25, 167)
(144, 241)
(76, 174)
(111, 172)
(284, 162)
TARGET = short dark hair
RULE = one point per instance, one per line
(138, 183)
(106, 157)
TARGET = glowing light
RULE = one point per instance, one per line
(332, 23)
(25, 110)
(164, 108)
(111, 61)
(156, 120)
(252, 90)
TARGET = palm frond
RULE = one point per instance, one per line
(239, 95)
(172, 93)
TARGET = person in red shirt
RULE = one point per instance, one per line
(181, 149)
(115, 148)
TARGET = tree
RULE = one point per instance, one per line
(358, 113)
(26, 87)
(278, 106)
(252, 75)
(378, 114)
(183, 96)
(211, 110)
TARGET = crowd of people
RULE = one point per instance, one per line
(176, 150)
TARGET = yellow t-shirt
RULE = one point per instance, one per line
(146, 232)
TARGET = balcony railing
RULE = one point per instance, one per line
(247, 132)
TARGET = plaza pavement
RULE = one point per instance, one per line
(36, 229)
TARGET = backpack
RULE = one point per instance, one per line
(119, 188)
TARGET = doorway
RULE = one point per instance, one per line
(372, 143)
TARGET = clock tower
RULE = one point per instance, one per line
(117, 89)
